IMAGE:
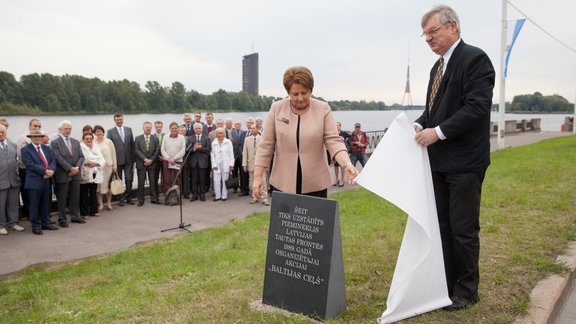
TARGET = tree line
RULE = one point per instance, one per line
(537, 103)
(73, 94)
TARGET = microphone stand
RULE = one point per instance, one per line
(181, 175)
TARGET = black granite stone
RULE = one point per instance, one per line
(304, 268)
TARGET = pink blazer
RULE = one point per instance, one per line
(317, 133)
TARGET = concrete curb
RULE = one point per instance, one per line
(547, 298)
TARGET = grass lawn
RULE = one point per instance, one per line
(528, 217)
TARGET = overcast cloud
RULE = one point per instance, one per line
(357, 50)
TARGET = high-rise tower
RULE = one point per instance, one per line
(250, 74)
(407, 89)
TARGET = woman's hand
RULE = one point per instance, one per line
(257, 187)
(351, 173)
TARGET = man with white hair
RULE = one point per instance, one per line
(455, 129)
(69, 161)
(9, 184)
(228, 127)
(260, 125)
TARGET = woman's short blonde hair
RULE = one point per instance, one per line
(298, 75)
(219, 130)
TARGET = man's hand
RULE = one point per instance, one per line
(426, 137)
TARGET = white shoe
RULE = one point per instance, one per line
(253, 201)
(3, 231)
(18, 228)
(266, 203)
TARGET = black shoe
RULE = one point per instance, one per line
(129, 202)
(202, 198)
(224, 199)
(156, 202)
(120, 203)
(216, 199)
(79, 221)
(186, 196)
(243, 194)
(63, 224)
(194, 198)
(140, 203)
(38, 232)
(459, 303)
(235, 190)
(50, 227)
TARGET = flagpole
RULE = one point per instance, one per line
(574, 118)
(502, 105)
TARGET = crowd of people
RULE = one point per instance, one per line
(200, 156)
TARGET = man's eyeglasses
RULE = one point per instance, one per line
(433, 31)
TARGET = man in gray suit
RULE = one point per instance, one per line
(123, 141)
(9, 184)
(69, 161)
(147, 150)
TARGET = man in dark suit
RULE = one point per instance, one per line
(456, 129)
(40, 165)
(199, 162)
(147, 151)
(188, 124)
(159, 134)
(209, 127)
(123, 140)
(69, 160)
(238, 136)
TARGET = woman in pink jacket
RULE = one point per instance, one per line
(299, 130)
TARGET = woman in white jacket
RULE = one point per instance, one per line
(91, 176)
(222, 157)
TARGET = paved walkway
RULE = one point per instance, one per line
(128, 225)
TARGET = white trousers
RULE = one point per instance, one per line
(220, 177)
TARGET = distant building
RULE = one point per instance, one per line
(250, 74)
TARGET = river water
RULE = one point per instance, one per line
(370, 120)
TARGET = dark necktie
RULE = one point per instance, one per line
(436, 83)
(42, 157)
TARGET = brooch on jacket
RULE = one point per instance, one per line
(284, 120)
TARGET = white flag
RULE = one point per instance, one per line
(399, 171)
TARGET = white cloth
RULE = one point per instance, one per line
(399, 171)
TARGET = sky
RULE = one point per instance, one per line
(357, 50)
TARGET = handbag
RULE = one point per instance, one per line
(232, 183)
(116, 185)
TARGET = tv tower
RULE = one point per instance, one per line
(407, 89)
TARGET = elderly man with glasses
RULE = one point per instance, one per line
(455, 127)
